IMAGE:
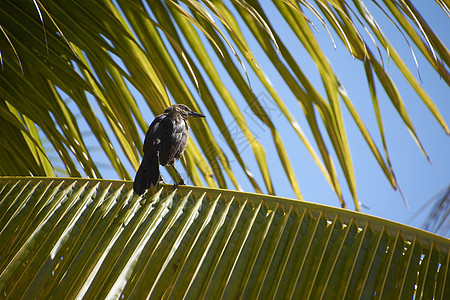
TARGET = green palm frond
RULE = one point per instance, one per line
(75, 67)
(87, 238)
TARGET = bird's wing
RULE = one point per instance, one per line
(154, 135)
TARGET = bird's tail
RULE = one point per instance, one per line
(148, 173)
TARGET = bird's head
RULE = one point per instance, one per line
(183, 110)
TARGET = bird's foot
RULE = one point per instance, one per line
(178, 183)
(160, 181)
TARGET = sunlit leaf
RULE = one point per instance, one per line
(90, 238)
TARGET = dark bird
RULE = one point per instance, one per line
(164, 143)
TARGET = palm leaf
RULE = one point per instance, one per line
(437, 209)
(87, 238)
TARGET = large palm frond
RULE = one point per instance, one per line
(87, 238)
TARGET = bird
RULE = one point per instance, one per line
(164, 143)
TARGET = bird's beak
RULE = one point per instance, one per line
(193, 114)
